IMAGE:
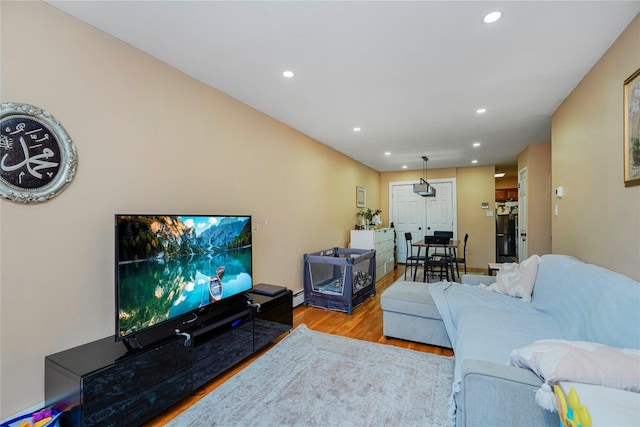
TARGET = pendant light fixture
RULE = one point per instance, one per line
(424, 189)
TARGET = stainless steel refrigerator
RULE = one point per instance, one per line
(506, 240)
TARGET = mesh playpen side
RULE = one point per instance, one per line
(339, 279)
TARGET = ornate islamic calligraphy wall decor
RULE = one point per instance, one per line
(37, 158)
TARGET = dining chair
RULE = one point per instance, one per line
(448, 234)
(462, 260)
(437, 263)
(412, 261)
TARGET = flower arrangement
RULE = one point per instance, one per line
(368, 217)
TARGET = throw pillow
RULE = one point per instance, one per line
(582, 362)
(516, 280)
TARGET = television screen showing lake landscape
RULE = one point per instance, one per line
(168, 266)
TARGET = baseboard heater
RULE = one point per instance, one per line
(298, 298)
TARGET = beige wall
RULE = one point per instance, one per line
(599, 218)
(150, 140)
(537, 160)
(473, 186)
(505, 182)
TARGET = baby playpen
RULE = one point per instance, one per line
(339, 279)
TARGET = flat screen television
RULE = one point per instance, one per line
(170, 266)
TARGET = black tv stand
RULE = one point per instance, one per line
(136, 344)
(105, 383)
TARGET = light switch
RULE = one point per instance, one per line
(555, 210)
(489, 213)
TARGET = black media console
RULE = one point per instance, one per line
(102, 383)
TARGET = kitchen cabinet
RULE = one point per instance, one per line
(506, 194)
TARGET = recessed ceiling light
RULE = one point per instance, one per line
(288, 74)
(356, 129)
(499, 175)
(476, 144)
(481, 110)
(474, 161)
(492, 17)
(404, 166)
(387, 153)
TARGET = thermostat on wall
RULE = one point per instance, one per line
(559, 192)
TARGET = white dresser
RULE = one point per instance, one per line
(382, 241)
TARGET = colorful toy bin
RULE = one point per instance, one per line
(43, 418)
(339, 279)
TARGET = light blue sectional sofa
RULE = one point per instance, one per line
(571, 300)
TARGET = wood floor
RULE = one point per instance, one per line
(365, 324)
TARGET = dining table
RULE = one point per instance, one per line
(452, 247)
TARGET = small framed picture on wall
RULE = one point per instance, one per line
(361, 197)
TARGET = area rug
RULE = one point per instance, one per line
(315, 379)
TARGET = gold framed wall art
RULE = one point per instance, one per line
(632, 130)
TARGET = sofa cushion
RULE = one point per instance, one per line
(410, 298)
(581, 361)
(575, 293)
(487, 325)
(491, 335)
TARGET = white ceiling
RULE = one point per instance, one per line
(411, 74)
